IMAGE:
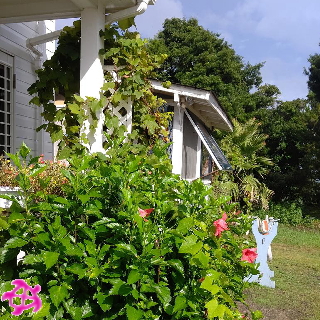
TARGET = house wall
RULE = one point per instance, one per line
(25, 118)
(191, 152)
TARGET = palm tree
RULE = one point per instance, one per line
(244, 148)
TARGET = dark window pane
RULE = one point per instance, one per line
(2, 128)
(1, 151)
(1, 105)
(8, 85)
(2, 94)
(2, 139)
(8, 107)
(8, 118)
(8, 95)
(8, 140)
(8, 128)
(2, 70)
(1, 117)
(1, 82)
(8, 149)
(8, 73)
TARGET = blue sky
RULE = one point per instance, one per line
(281, 33)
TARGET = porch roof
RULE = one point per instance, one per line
(202, 103)
(37, 10)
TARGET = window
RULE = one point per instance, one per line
(5, 108)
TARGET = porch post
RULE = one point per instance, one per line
(177, 136)
(91, 68)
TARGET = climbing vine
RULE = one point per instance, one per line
(125, 52)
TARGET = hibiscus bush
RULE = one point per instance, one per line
(128, 240)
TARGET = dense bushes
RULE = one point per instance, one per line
(99, 254)
(49, 180)
(287, 212)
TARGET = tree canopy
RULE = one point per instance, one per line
(202, 59)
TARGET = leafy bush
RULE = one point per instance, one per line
(288, 213)
(49, 180)
(101, 252)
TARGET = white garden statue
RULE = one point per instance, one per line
(264, 232)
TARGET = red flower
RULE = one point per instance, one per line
(221, 225)
(145, 213)
(249, 255)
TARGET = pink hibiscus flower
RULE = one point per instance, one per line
(145, 213)
(221, 225)
(249, 255)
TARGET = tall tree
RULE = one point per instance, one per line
(200, 58)
(313, 73)
(294, 145)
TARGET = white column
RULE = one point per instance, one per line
(91, 67)
(198, 165)
(177, 136)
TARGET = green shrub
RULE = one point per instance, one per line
(288, 213)
(96, 257)
(49, 180)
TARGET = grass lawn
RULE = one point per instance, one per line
(296, 263)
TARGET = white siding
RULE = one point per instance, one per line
(26, 118)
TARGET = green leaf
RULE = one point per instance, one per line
(179, 303)
(78, 98)
(43, 312)
(3, 225)
(201, 259)
(37, 171)
(84, 198)
(133, 313)
(50, 258)
(133, 277)
(190, 245)
(104, 301)
(15, 242)
(177, 264)
(211, 307)
(56, 135)
(24, 150)
(119, 287)
(58, 294)
(126, 23)
(164, 295)
(74, 108)
(127, 248)
(15, 216)
(32, 259)
(185, 225)
(256, 315)
(108, 85)
(77, 269)
(207, 284)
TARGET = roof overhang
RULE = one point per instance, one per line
(202, 103)
(36, 10)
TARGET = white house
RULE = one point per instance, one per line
(18, 119)
(26, 39)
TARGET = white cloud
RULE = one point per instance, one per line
(284, 75)
(294, 22)
(150, 22)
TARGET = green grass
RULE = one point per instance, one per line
(296, 263)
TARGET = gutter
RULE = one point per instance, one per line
(140, 8)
